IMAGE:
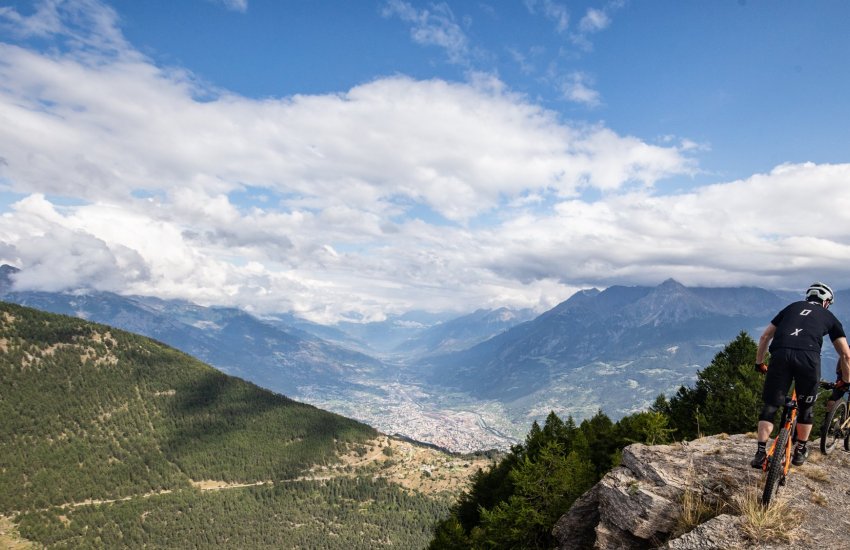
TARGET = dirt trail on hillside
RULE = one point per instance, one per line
(417, 468)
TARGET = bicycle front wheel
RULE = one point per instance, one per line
(776, 466)
(831, 431)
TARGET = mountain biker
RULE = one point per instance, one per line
(842, 384)
(795, 337)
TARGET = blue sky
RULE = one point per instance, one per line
(353, 159)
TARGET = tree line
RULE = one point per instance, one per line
(338, 514)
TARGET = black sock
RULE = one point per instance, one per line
(761, 446)
(801, 445)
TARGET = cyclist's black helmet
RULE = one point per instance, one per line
(821, 292)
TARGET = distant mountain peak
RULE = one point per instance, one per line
(671, 283)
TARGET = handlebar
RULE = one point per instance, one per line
(830, 385)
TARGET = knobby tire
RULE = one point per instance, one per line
(776, 467)
(830, 434)
(846, 429)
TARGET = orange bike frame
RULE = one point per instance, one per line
(787, 450)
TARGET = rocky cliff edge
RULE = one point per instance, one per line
(703, 494)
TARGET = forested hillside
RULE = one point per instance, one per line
(110, 439)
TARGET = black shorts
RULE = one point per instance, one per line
(787, 365)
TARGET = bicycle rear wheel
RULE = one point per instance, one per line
(831, 431)
(776, 466)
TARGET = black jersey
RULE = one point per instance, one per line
(802, 325)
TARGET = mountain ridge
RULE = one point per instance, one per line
(228, 338)
(462, 332)
(630, 329)
(615, 349)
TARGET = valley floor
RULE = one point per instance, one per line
(457, 423)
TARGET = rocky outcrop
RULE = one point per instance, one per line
(641, 503)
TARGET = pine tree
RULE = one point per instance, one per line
(726, 396)
(545, 489)
(732, 388)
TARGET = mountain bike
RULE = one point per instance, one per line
(778, 461)
(837, 423)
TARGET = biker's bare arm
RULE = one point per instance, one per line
(843, 351)
(767, 336)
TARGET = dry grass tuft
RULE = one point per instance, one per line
(774, 523)
(815, 457)
(819, 499)
(816, 474)
(697, 507)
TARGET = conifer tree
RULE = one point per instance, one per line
(725, 398)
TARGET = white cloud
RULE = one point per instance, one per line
(434, 27)
(395, 194)
(554, 11)
(578, 87)
(102, 130)
(710, 236)
(767, 230)
(594, 21)
(58, 256)
(234, 5)
(88, 25)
